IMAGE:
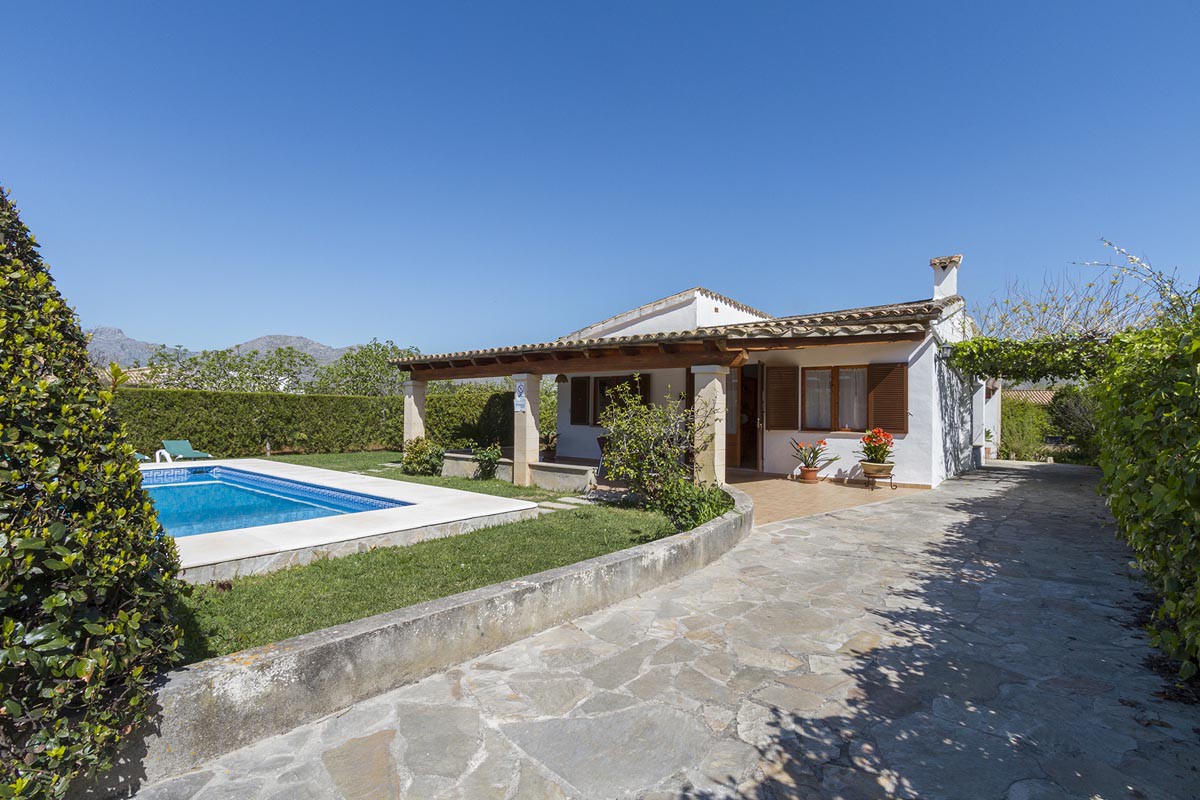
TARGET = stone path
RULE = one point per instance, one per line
(969, 642)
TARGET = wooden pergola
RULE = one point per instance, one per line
(708, 353)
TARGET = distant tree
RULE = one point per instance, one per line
(365, 370)
(283, 370)
(87, 579)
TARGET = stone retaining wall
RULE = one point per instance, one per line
(548, 475)
(219, 705)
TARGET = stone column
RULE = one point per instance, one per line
(414, 410)
(710, 405)
(526, 447)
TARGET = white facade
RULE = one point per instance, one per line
(946, 416)
(685, 311)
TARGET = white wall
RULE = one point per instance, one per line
(672, 314)
(991, 421)
(912, 449)
(675, 317)
(711, 312)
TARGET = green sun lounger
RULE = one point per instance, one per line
(181, 449)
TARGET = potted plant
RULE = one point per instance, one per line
(549, 446)
(876, 453)
(812, 458)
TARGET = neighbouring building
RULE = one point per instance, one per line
(829, 375)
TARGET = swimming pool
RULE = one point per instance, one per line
(205, 499)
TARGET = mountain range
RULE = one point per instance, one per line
(111, 344)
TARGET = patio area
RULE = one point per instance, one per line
(778, 498)
(978, 640)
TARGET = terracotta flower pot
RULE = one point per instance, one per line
(874, 470)
(809, 475)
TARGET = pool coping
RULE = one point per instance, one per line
(434, 512)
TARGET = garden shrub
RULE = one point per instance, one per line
(86, 576)
(649, 446)
(688, 505)
(234, 424)
(1073, 413)
(422, 457)
(487, 459)
(1149, 430)
(1023, 429)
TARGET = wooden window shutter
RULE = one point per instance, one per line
(689, 389)
(783, 398)
(643, 381)
(887, 397)
(580, 407)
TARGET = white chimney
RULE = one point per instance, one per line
(945, 276)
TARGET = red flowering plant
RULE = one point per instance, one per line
(812, 456)
(876, 446)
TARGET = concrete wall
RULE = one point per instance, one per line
(220, 705)
(565, 478)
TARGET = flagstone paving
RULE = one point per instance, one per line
(974, 641)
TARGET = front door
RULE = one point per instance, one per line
(748, 417)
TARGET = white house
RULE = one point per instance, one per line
(829, 375)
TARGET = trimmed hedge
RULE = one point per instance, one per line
(233, 424)
(230, 424)
(1149, 434)
(1023, 429)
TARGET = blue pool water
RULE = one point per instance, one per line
(192, 500)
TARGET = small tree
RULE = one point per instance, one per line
(366, 370)
(282, 370)
(649, 447)
(87, 578)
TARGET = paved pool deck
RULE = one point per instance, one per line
(973, 641)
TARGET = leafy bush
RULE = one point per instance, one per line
(1149, 426)
(422, 457)
(231, 424)
(1073, 413)
(86, 576)
(688, 505)
(1023, 429)
(647, 444)
(487, 459)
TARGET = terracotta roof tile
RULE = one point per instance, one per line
(910, 317)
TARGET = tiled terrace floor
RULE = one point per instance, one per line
(973, 642)
(777, 498)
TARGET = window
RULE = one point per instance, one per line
(852, 398)
(856, 398)
(580, 405)
(818, 399)
(602, 385)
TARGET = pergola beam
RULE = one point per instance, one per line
(648, 359)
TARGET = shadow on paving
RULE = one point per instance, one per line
(1014, 669)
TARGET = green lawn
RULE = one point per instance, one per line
(372, 464)
(261, 609)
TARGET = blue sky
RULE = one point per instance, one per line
(457, 175)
